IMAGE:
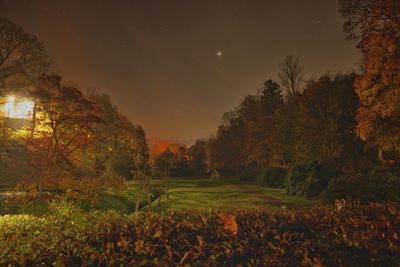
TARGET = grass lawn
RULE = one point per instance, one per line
(200, 194)
(204, 194)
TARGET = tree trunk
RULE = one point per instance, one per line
(33, 127)
(380, 154)
(396, 157)
(137, 206)
(149, 201)
(159, 200)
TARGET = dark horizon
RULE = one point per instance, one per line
(160, 61)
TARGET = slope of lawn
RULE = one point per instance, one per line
(205, 194)
(106, 200)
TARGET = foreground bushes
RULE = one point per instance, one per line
(346, 236)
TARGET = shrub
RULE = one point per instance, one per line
(120, 165)
(315, 182)
(308, 179)
(117, 183)
(353, 235)
(383, 185)
(272, 177)
(249, 173)
(295, 176)
(62, 208)
(377, 185)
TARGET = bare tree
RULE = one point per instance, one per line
(144, 177)
(22, 56)
(291, 75)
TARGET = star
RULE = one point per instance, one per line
(219, 53)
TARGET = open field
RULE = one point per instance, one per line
(204, 194)
(185, 193)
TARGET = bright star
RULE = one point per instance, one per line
(219, 53)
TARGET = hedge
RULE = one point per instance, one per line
(344, 235)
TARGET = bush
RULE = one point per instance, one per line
(377, 185)
(295, 178)
(14, 163)
(249, 173)
(120, 165)
(307, 179)
(365, 235)
(272, 177)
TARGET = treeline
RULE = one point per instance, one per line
(304, 142)
(183, 161)
(76, 141)
(336, 136)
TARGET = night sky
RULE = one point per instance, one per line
(175, 66)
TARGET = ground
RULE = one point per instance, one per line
(201, 194)
(204, 194)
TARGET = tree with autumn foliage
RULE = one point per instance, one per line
(325, 123)
(375, 25)
(120, 147)
(64, 127)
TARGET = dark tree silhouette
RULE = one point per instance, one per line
(291, 76)
(22, 56)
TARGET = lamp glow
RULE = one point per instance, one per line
(18, 109)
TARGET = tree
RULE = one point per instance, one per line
(247, 137)
(375, 25)
(120, 147)
(269, 144)
(22, 57)
(140, 148)
(165, 161)
(271, 96)
(229, 144)
(198, 159)
(65, 125)
(286, 119)
(325, 122)
(181, 162)
(291, 76)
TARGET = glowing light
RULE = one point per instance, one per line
(17, 109)
(219, 53)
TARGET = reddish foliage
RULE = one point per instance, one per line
(350, 236)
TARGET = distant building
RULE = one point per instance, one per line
(215, 174)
